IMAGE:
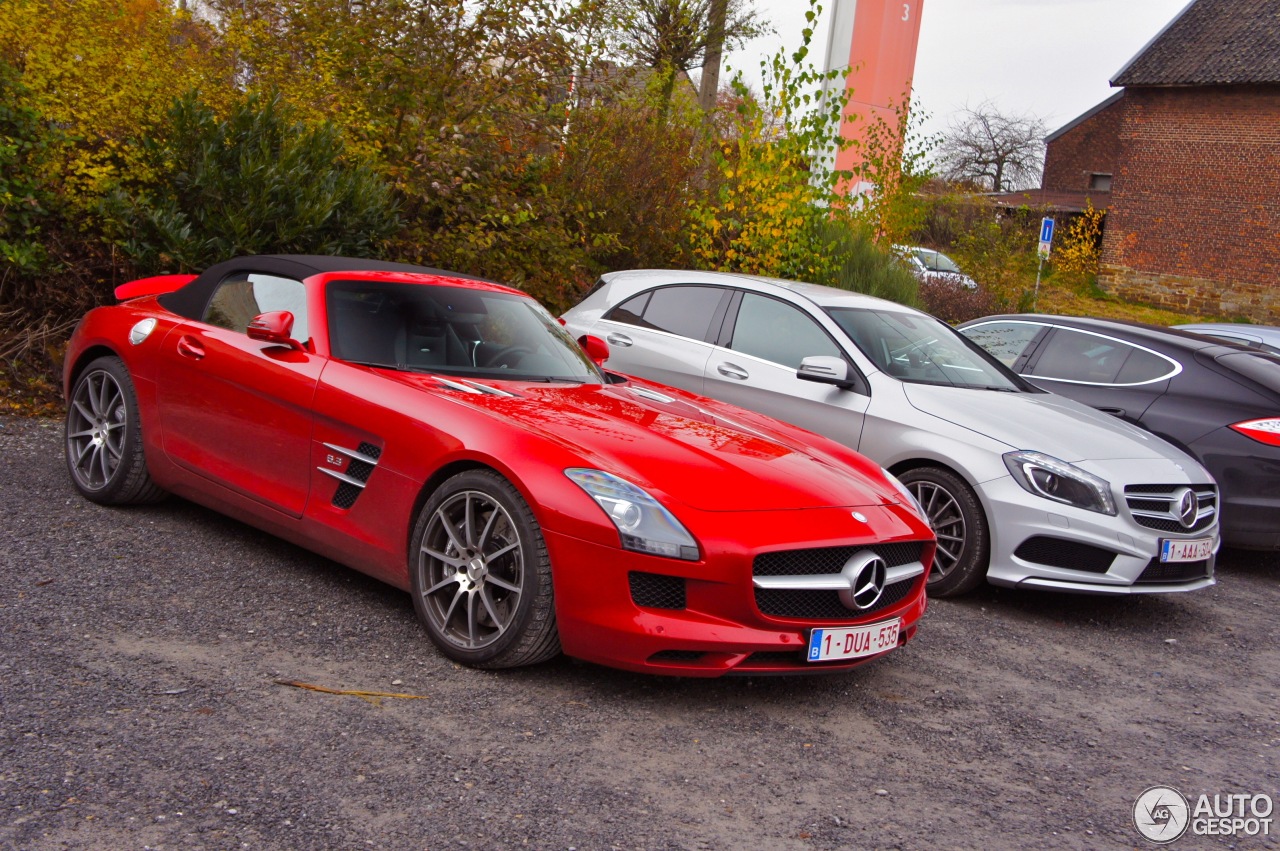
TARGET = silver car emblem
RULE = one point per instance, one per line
(865, 573)
(859, 516)
(1188, 507)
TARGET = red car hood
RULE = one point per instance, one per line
(705, 454)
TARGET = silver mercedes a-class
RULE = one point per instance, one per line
(1022, 487)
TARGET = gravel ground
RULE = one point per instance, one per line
(141, 654)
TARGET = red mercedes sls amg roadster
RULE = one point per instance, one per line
(445, 435)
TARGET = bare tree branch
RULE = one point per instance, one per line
(995, 151)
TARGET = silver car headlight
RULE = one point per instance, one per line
(1051, 478)
(644, 525)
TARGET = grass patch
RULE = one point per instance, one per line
(1072, 302)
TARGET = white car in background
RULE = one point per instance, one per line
(931, 266)
(1022, 487)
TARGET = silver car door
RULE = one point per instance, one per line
(663, 334)
(757, 369)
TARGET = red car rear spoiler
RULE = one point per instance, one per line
(157, 285)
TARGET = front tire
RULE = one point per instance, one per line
(964, 541)
(481, 576)
(103, 437)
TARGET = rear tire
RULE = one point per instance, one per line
(964, 541)
(481, 576)
(103, 437)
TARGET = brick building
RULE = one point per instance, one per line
(1190, 153)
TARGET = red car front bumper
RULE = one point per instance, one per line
(706, 618)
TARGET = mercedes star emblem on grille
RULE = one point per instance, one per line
(865, 572)
(1188, 507)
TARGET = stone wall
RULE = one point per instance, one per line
(1196, 296)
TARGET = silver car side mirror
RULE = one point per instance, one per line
(825, 370)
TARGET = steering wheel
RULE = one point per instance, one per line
(500, 356)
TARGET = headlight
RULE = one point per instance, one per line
(642, 522)
(907, 496)
(1046, 476)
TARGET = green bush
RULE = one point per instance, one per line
(252, 183)
(25, 201)
(860, 265)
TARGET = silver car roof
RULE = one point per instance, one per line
(816, 293)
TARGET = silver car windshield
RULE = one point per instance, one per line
(919, 349)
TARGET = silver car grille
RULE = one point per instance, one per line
(1159, 507)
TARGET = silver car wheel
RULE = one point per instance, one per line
(963, 551)
(473, 564)
(948, 524)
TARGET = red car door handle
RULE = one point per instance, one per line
(190, 347)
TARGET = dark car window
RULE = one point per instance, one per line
(1070, 355)
(1261, 368)
(684, 311)
(1142, 366)
(1008, 341)
(461, 331)
(778, 332)
(1087, 358)
(240, 298)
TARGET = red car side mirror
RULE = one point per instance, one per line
(274, 327)
(596, 349)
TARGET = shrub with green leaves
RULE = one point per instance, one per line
(25, 200)
(860, 265)
(254, 182)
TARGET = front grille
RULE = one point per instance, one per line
(825, 605)
(1178, 571)
(1155, 506)
(1070, 555)
(657, 591)
(818, 560)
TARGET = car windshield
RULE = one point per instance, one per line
(462, 331)
(919, 349)
(938, 262)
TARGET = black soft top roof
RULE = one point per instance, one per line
(191, 300)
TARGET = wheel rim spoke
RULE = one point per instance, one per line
(471, 619)
(496, 554)
(493, 614)
(452, 561)
(453, 604)
(504, 584)
(451, 531)
(469, 520)
(488, 527)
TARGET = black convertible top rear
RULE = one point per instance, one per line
(190, 300)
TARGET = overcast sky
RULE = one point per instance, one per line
(1049, 58)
